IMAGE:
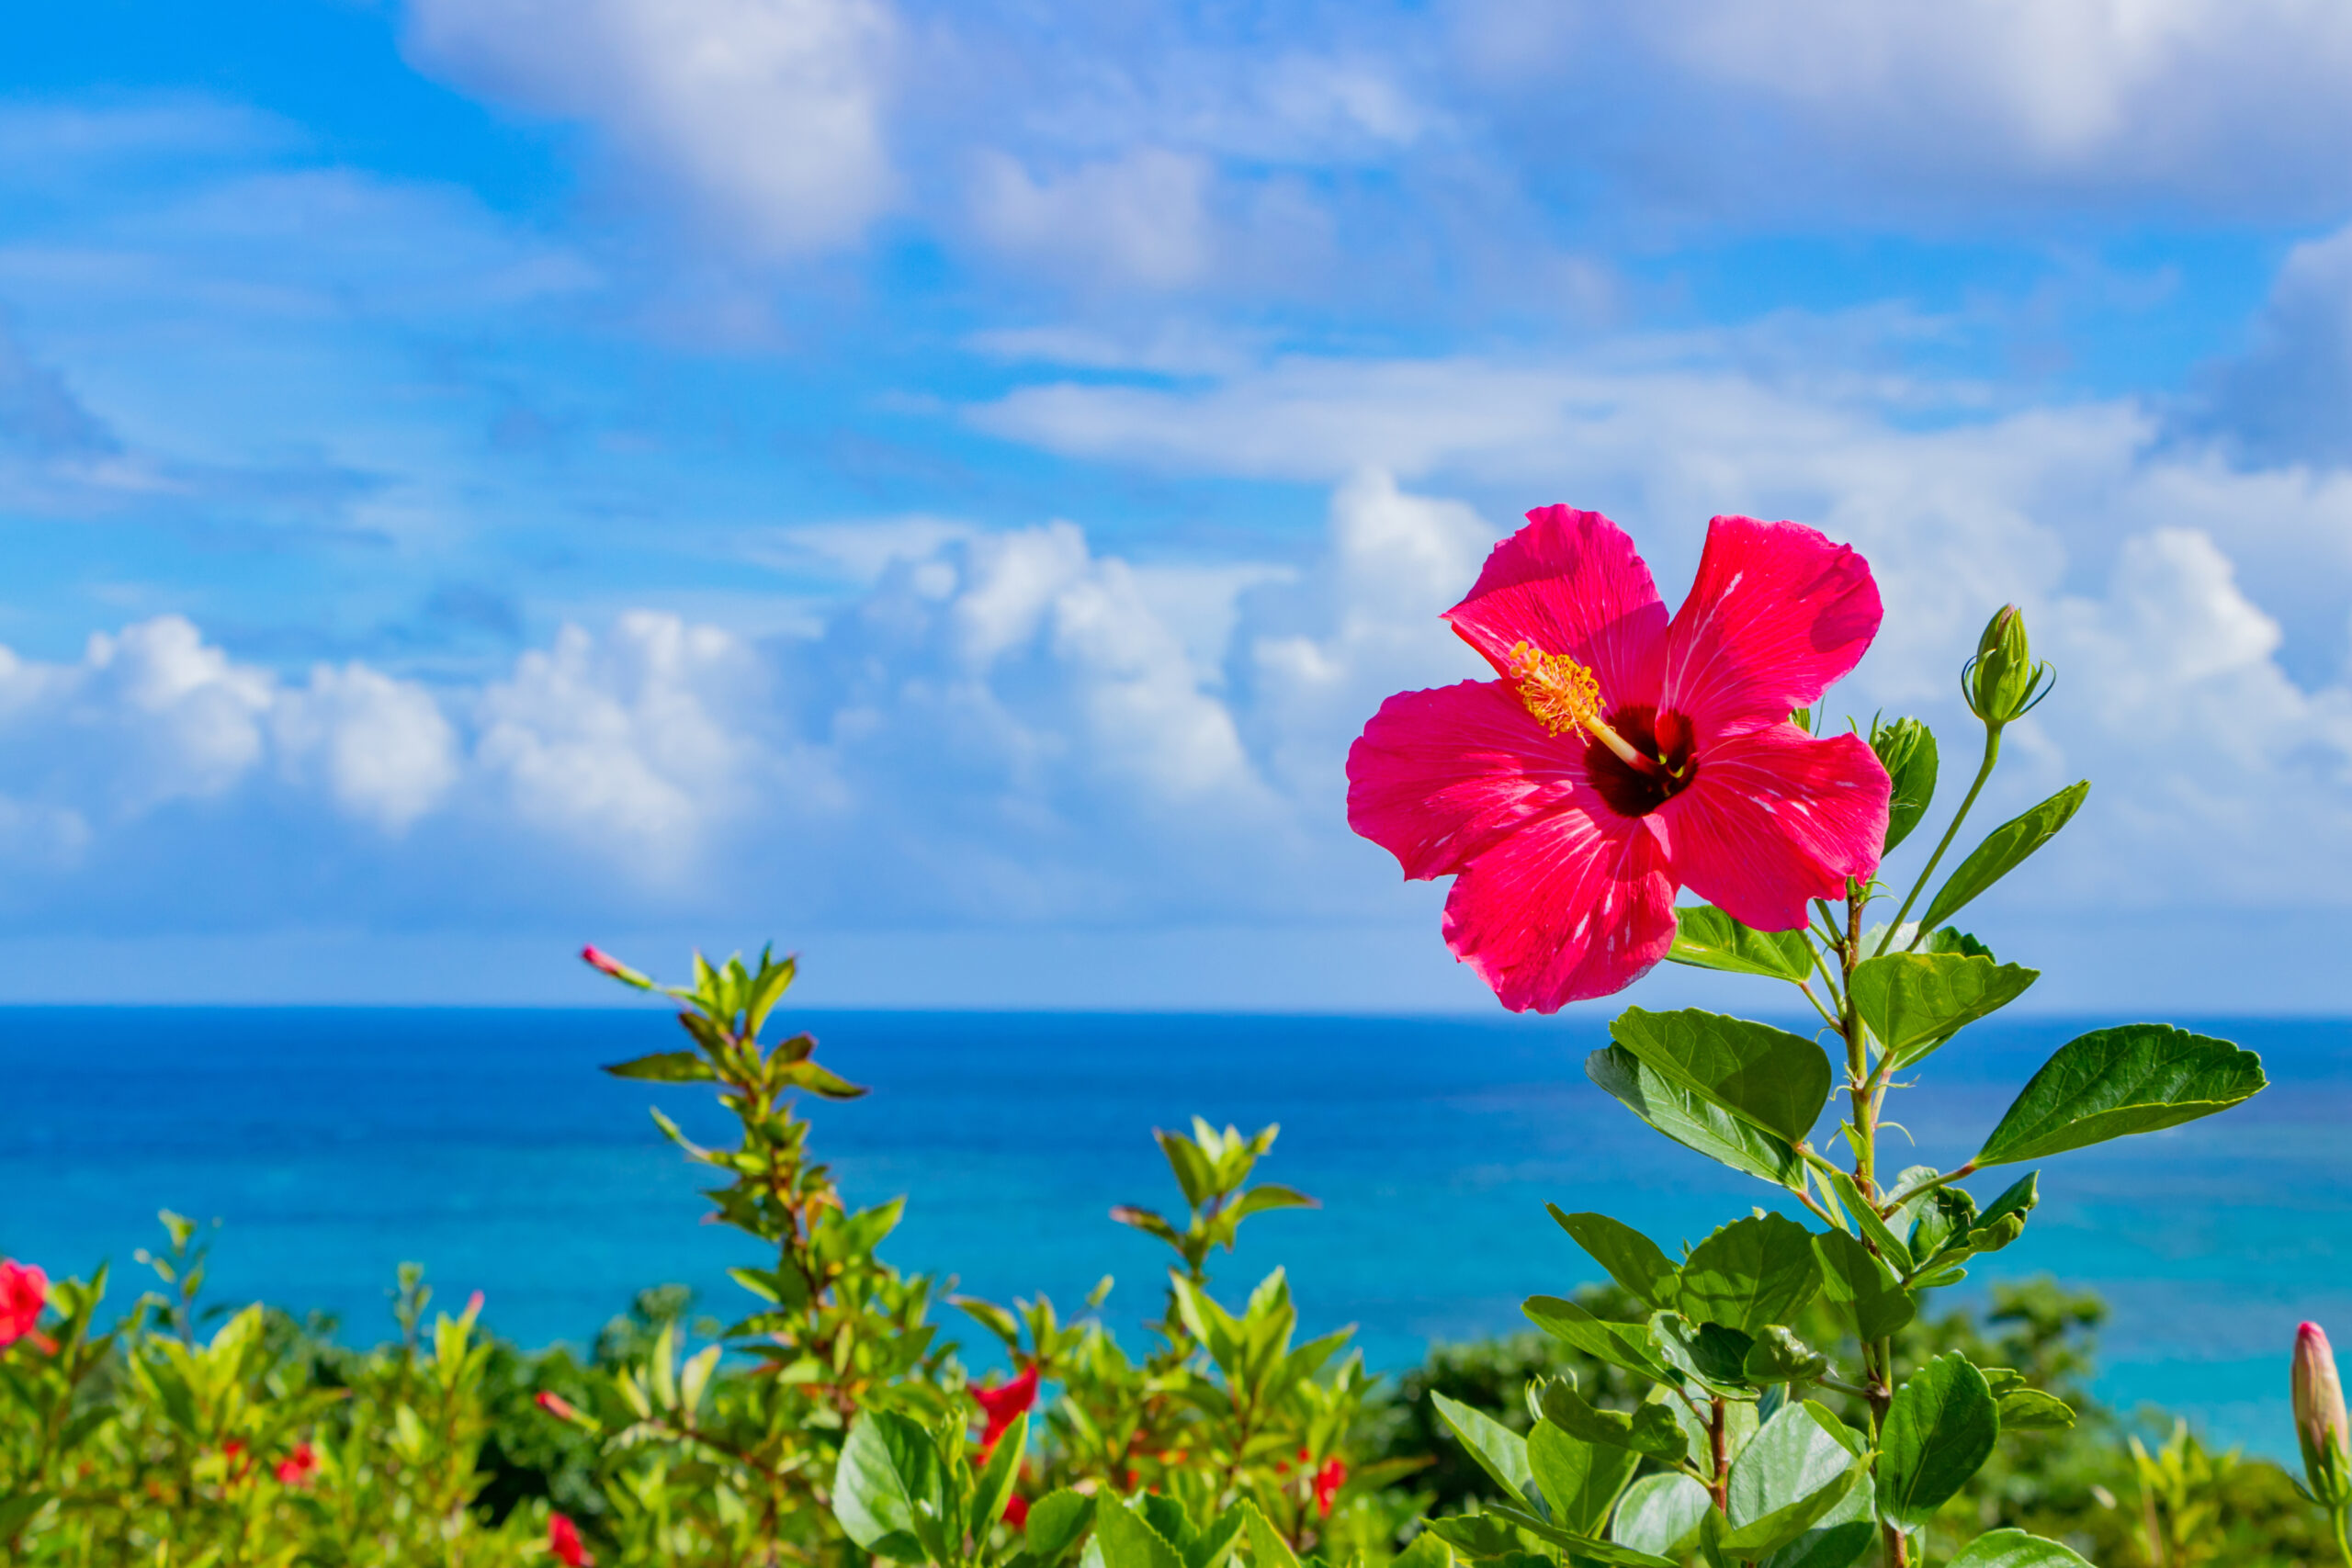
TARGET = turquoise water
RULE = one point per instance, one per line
(336, 1143)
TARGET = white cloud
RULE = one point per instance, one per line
(387, 752)
(155, 715)
(633, 746)
(765, 114)
(1138, 219)
(1020, 727)
(2233, 106)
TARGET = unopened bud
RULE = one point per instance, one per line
(2002, 682)
(2319, 1424)
(556, 1405)
(604, 962)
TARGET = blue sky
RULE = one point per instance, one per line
(940, 486)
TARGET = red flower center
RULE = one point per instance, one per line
(1634, 792)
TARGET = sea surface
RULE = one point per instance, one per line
(334, 1143)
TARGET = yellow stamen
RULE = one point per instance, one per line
(1563, 696)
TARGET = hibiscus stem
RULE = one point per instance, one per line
(1983, 771)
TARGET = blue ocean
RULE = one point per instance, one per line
(333, 1143)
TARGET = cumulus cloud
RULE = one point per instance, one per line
(155, 715)
(767, 115)
(1017, 727)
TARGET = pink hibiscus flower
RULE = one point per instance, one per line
(24, 1290)
(1620, 755)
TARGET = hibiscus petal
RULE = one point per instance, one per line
(1570, 582)
(1437, 777)
(1568, 909)
(1775, 818)
(1777, 613)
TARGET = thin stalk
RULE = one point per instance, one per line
(1983, 771)
(2342, 1545)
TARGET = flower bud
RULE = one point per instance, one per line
(2319, 1424)
(604, 962)
(2002, 682)
(556, 1405)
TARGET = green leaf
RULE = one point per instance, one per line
(1579, 1480)
(1914, 1001)
(1772, 1080)
(2031, 1410)
(818, 1081)
(1907, 749)
(1496, 1448)
(1866, 1215)
(1660, 1515)
(993, 1486)
(1474, 1536)
(1626, 1345)
(1750, 1273)
(1425, 1551)
(1267, 1548)
(1939, 1431)
(664, 1066)
(1261, 1200)
(2004, 849)
(1952, 939)
(1650, 1429)
(1129, 1542)
(2115, 1082)
(1839, 1539)
(1691, 1122)
(1056, 1521)
(1632, 1259)
(1796, 1469)
(1580, 1548)
(2015, 1549)
(887, 1486)
(1778, 1356)
(1709, 1354)
(1706, 938)
(1210, 1548)
(1862, 1291)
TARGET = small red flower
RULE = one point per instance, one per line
(564, 1543)
(24, 1292)
(1016, 1511)
(297, 1468)
(557, 1406)
(1002, 1404)
(1620, 753)
(473, 1305)
(1328, 1482)
(597, 958)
